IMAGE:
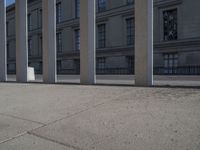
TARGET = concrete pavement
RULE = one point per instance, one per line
(73, 117)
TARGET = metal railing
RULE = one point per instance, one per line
(180, 70)
(103, 71)
(120, 71)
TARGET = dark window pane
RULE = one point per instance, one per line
(170, 25)
(101, 36)
(101, 5)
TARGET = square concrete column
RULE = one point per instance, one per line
(144, 42)
(49, 41)
(87, 42)
(3, 49)
(21, 41)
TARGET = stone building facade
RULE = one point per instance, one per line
(176, 36)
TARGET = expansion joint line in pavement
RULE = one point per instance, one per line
(54, 141)
(16, 136)
(16, 117)
(30, 132)
(82, 111)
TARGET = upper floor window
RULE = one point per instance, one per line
(101, 5)
(30, 46)
(102, 36)
(39, 18)
(58, 12)
(77, 39)
(8, 49)
(77, 8)
(130, 31)
(129, 2)
(59, 66)
(40, 46)
(10, 27)
(29, 22)
(130, 63)
(77, 65)
(170, 24)
(59, 42)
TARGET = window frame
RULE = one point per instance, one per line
(101, 5)
(58, 12)
(77, 8)
(170, 62)
(179, 18)
(101, 63)
(129, 2)
(59, 42)
(101, 35)
(77, 39)
(130, 32)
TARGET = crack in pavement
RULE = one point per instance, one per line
(24, 119)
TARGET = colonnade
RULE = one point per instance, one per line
(143, 42)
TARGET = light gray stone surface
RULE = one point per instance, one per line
(101, 117)
(12, 127)
(47, 103)
(29, 142)
(143, 119)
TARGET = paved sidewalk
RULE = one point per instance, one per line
(38, 116)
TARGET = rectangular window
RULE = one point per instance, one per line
(130, 31)
(101, 5)
(77, 66)
(58, 12)
(101, 62)
(170, 24)
(8, 50)
(170, 63)
(130, 63)
(41, 46)
(12, 67)
(40, 18)
(30, 44)
(59, 42)
(101, 36)
(77, 8)
(59, 66)
(29, 22)
(77, 39)
(129, 2)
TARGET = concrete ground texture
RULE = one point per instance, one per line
(112, 115)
